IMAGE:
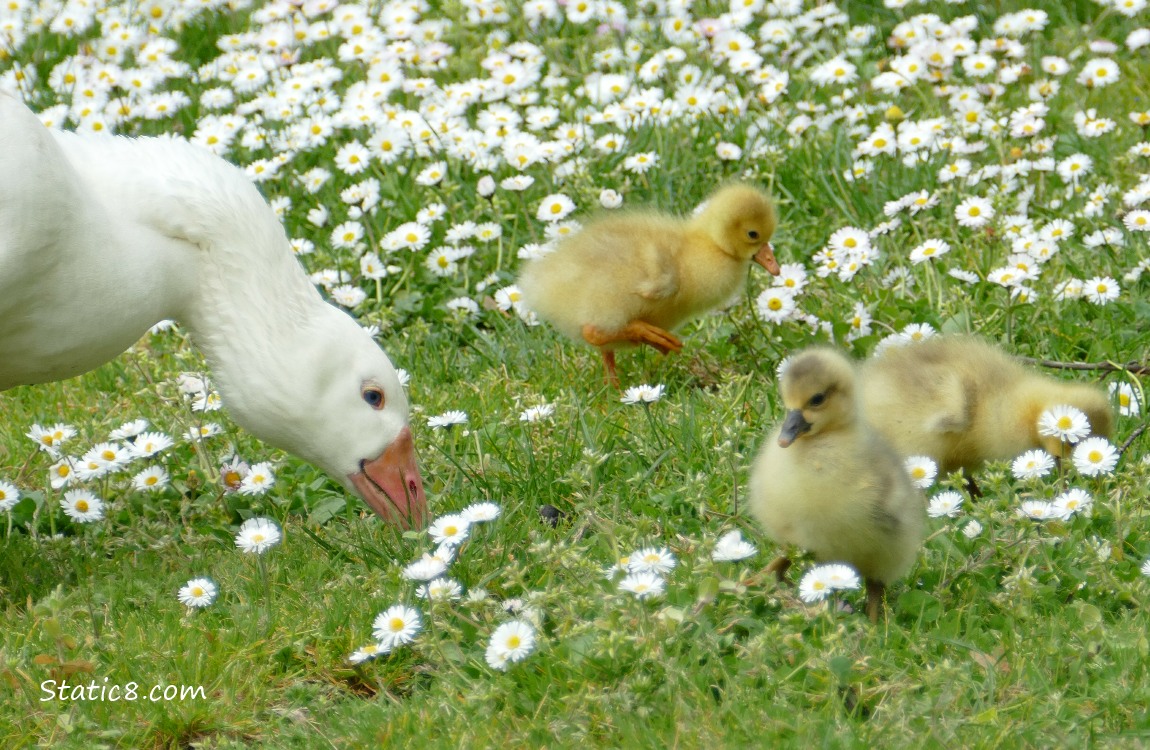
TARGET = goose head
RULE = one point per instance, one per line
(740, 219)
(817, 387)
(331, 396)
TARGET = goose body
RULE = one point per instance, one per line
(963, 402)
(632, 278)
(101, 237)
(826, 482)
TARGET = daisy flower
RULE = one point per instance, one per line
(1066, 423)
(425, 568)
(9, 495)
(450, 529)
(929, 250)
(1037, 510)
(258, 480)
(643, 394)
(198, 593)
(480, 512)
(1095, 456)
(150, 443)
(82, 506)
(537, 413)
(554, 207)
(447, 419)
(731, 547)
(61, 473)
(511, 642)
(651, 560)
(822, 580)
(972, 529)
(366, 653)
(206, 430)
(258, 535)
(440, 590)
(643, 585)
(947, 503)
(775, 304)
(129, 430)
(609, 198)
(1100, 290)
(151, 479)
(974, 212)
(1146, 568)
(397, 625)
(1032, 464)
(1137, 221)
(922, 470)
(1127, 398)
(1072, 501)
(51, 438)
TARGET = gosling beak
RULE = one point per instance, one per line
(793, 426)
(392, 485)
(766, 258)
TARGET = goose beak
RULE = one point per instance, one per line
(793, 426)
(392, 485)
(766, 258)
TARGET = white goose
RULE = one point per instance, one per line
(101, 237)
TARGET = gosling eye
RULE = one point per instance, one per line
(753, 234)
(374, 397)
(817, 400)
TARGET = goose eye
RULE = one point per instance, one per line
(753, 234)
(817, 400)
(373, 397)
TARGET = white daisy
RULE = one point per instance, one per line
(150, 443)
(82, 506)
(151, 479)
(425, 568)
(643, 394)
(1037, 510)
(1127, 398)
(365, 653)
(974, 212)
(1067, 423)
(1095, 456)
(447, 419)
(650, 560)
(451, 529)
(511, 642)
(258, 535)
(198, 593)
(480, 512)
(922, 470)
(1072, 501)
(440, 590)
(260, 478)
(535, 414)
(643, 585)
(731, 547)
(397, 625)
(9, 495)
(1032, 464)
(972, 529)
(947, 503)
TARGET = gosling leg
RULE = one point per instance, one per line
(635, 332)
(779, 566)
(875, 593)
(971, 485)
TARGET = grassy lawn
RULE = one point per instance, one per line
(1007, 632)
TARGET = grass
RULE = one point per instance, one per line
(1028, 634)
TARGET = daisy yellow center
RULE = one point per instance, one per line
(46, 440)
(515, 296)
(411, 237)
(928, 251)
(451, 531)
(151, 481)
(232, 477)
(556, 208)
(880, 142)
(396, 624)
(1065, 423)
(1101, 288)
(918, 472)
(1102, 72)
(974, 211)
(819, 586)
(443, 261)
(972, 116)
(1123, 399)
(775, 304)
(851, 242)
(82, 506)
(513, 642)
(1095, 456)
(257, 538)
(197, 592)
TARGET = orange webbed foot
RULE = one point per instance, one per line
(635, 332)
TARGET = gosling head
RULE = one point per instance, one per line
(741, 220)
(817, 387)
